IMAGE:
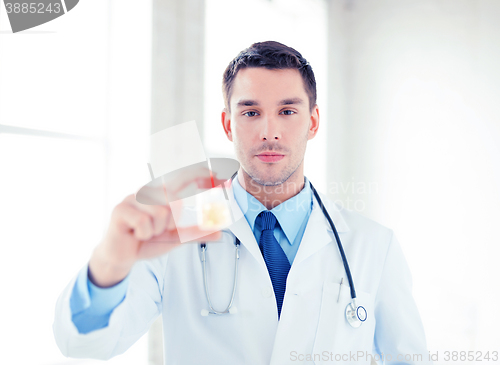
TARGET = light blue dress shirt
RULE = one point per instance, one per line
(292, 216)
(91, 306)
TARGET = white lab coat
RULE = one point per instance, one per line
(312, 329)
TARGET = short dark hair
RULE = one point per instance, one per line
(271, 55)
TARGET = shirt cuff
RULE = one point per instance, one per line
(86, 295)
(104, 300)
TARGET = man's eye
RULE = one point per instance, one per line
(288, 112)
(250, 114)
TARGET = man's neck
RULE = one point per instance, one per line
(272, 196)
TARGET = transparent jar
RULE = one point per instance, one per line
(213, 210)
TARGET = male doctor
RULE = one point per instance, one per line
(292, 286)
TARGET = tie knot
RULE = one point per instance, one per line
(268, 220)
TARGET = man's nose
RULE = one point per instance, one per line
(270, 129)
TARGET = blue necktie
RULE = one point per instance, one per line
(276, 261)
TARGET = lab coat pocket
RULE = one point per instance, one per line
(336, 340)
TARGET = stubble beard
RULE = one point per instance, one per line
(273, 181)
(250, 169)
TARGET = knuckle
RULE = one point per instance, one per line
(143, 227)
(129, 198)
(118, 210)
(161, 213)
(160, 221)
(143, 220)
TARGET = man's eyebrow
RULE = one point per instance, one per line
(291, 101)
(248, 102)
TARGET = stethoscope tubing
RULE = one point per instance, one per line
(339, 244)
(203, 246)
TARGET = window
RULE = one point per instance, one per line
(74, 122)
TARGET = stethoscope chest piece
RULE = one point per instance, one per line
(355, 314)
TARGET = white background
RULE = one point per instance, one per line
(421, 87)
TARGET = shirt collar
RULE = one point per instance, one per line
(290, 214)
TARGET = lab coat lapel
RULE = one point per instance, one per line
(241, 229)
(318, 232)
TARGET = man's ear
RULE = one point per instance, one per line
(314, 123)
(226, 123)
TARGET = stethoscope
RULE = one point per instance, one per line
(354, 314)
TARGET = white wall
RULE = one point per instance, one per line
(417, 84)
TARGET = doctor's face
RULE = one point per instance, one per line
(270, 123)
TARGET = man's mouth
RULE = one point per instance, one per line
(270, 156)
